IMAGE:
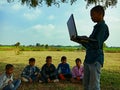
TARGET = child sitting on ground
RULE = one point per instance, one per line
(49, 71)
(31, 72)
(64, 72)
(77, 71)
(6, 79)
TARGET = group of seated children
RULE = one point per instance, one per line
(48, 73)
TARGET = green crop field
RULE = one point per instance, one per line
(110, 75)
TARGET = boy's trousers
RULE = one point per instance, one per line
(13, 86)
(91, 78)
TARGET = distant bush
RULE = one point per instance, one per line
(55, 48)
(112, 50)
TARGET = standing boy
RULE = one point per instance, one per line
(6, 79)
(94, 58)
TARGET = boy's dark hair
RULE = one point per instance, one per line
(48, 57)
(98, 9)
(32, 60)
(63, 58)
(8, 66)
(78, 60)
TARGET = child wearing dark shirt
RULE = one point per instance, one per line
(49, 71)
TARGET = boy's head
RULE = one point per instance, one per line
(9, 69)
(63, 59)
(32, 61)
(48, 60)
(97, 13)
(78, 61)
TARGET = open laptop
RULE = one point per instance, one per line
(73, 31)
(72, 27)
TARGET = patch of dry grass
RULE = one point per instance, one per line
(111, 67)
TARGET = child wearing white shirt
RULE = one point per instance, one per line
(6, 79)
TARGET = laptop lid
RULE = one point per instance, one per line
(71, 27)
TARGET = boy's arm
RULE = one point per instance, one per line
(83, 39)
(86, 41)
(43, 72)
(1, 81)
(54, 71)
(24, 73)
(59, 69)
(37, 71)
(69, 71)
(73, 73)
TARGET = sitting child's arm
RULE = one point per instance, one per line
(24, 73)
(73, 72)
(1, 81)
(37, 72)
(43, 72)
(54, 71)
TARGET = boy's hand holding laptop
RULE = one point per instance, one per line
(80, 39)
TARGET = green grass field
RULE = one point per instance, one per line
(110, 76)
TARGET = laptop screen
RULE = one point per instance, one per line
(71, 27)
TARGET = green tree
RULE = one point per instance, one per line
(35, 3)
(17, 44)
(46, 46)
(37, 44)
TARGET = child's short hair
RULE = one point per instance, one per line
(8, 66)
(48, 57)
(63, 58)
(98, 9)
(32, 60)
(78, 60)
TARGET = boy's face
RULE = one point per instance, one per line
(32, 63)
(49, 61)
(10, 70)
(64, 61)
(96, 17)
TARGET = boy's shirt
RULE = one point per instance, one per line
(63, 68)
(29, 71)
(77, 72)
(4, 79)
(48, 71)
(94, 49)
(100, 34)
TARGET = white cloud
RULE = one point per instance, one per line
(3, 2)
(51, 17)
(32, 14)
(37, 27)
(51, 26)
(40, 27)
(16, 7)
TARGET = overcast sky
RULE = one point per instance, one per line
(47, 25)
